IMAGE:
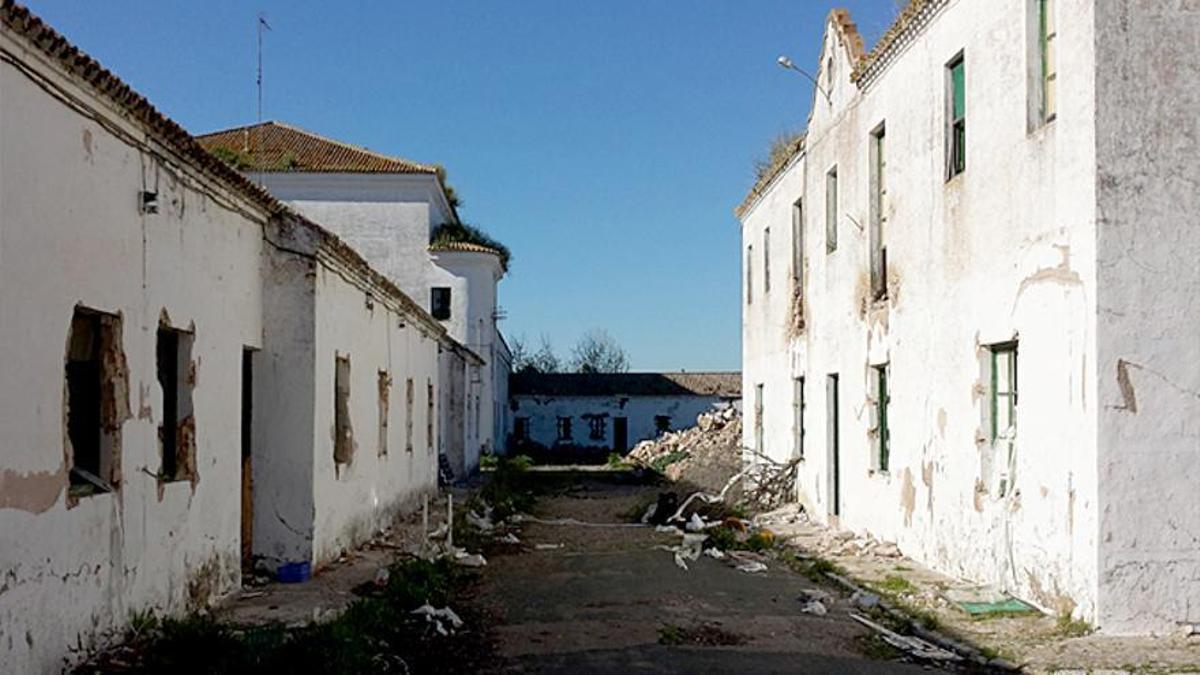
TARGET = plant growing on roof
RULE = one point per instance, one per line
(783, 147)
(458, 232)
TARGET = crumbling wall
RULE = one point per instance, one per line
(1148, 181)
(72, 574)
(1004, 251)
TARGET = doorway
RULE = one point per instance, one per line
(247, 467)
(833, 445)
(620, 434)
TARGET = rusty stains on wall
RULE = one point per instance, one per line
(908, 496)
(35, 491)
(927, 479)
(1126, 385)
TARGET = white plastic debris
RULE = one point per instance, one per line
(695, 524)
(482, 523)
(650, 511)
(752, 567)
(381, 576)
(439, 618)
(815, 607)
(714, 553)
(549, 547)
(510, 538)
(469, 559)
(667, 529)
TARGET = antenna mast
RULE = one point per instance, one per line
(262, 24)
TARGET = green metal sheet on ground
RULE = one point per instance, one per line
(1005, 606)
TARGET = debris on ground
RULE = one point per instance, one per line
(548, 547)
(439, 618)
(510, 538)
(710, 457)
(913, 646)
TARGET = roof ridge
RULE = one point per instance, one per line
(350, 146)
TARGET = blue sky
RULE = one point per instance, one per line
(606, 143)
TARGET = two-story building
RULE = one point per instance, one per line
(971, 303)
(389, 210)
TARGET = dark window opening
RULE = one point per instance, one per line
(521, 429)
(429, 414)
(596, 428)
(831, 210)
(439, 302)
(343, 447)
(92, 427)
(176, 430)
(882, 432)
(385, 391)
(564, 429)
(662, 423)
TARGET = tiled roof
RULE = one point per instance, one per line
(108, 86)
(726, 385)
(462, 247)
(760, 185)
(274, 146)
(908, 24)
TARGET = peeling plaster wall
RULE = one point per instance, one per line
(543, 413)
(452, 439)
(1148, 147)
(1004, 251)
(353, 500)
(388, 220)
(71, 233)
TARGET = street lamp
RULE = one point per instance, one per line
(785, 62)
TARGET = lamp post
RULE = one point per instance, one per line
(785, 62)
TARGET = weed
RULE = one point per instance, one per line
(141, 623)
(703, 635)
(816, 569)
(1069, 627)
(902, 568)
(616, 461)
(660, 464)
(507, 489)
(671, 635)
(896, 584)
(489, 462)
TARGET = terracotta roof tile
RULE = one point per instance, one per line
(726, 385)
(274, 146)
(462, 247)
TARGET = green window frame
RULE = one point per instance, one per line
(882, 399)
(1003, 397)
(831, 209)
(798, 406)
(957, 146)
(1047, 39)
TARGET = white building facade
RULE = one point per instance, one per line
(198, 381)
(967, 282)
(586, 416)
(387, 209)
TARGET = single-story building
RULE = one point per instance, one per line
(582, 416)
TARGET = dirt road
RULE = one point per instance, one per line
(602, 599)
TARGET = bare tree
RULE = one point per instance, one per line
(544, 360)
(597, 352)
(521, 358)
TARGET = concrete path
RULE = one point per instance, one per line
(608, 601)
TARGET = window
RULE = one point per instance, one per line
(758, 419)
(766, 260)
(798, 405)
(385, 392)
(429, 418)
(343, 445)
(749, 274)
(94, 375)
(596, 431)
(176, 432)
(957, 129)
(564, 429)
(798, 242)
(878, 214)
(831, 210)
(521, 428)
(662, 423)
(882, 431)
(1003, 399)
(409, 396)
(1047, 32)
(439, 302)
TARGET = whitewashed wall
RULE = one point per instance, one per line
(355, 499)
(1148, 144)
(1004, 251)
(543, 413)
(71, 233)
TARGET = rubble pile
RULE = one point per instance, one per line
(706, 455)
(710, 456)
